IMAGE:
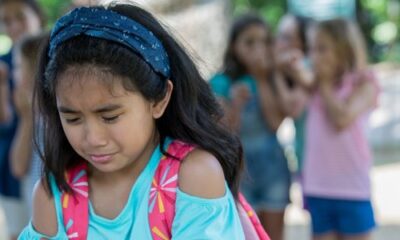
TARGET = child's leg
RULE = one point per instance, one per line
(367, 236)
(327, 236)
(273, 223)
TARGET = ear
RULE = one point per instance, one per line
(159, 107)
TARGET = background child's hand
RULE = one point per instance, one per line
(288, 61)
(240, 93)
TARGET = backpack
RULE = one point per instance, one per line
(75, 207)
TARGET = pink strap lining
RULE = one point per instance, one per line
(255, 222)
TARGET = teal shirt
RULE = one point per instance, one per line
(195, 218)
(299, 140)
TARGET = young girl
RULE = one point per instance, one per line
(291, 56)
(25, 160)
(338, 159)
(249, 91)
(19, 18)
(116, 91)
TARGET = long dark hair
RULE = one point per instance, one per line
(232, 66)
(192, 114)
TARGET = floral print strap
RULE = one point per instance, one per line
(163, 191)
(75, 206)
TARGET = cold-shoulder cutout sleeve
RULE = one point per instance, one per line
(205, 207)
(46, 222)
(200, 218)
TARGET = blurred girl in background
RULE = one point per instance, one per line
(337, 156)
(249, 89)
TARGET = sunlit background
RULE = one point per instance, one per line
(202, 26)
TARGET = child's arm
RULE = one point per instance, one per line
(44, 219)
(271, 109)
(240, 93)
(201, 175)
(5, 111)
(21, 150)
(342, 113)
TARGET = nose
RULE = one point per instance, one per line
(95, 135)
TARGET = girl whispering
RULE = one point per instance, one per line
(337, 156)
(121, 104)
(249, 88)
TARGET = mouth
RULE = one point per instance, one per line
(101, 158)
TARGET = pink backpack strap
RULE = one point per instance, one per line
(250, 222)
(75, 207)
(163, 191)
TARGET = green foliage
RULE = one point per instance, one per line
(271, 10)
(54, 9)
(376, 17)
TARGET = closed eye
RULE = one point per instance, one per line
(110, 119)
(72, 120)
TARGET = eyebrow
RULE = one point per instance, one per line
(102, 109)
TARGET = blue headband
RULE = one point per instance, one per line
(109, 25)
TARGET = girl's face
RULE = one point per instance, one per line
(19, 19)
(323, 55)
(252, 50)
(110, 127)
(288, 34)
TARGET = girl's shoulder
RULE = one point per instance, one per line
(201, 175)
(44, 219)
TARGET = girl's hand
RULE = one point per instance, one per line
(289, 61)
(240, 93)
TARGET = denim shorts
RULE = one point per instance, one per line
(267, 179)
(347, 217)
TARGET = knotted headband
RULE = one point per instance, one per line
(109, 25)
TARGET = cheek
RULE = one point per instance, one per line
(73, 135)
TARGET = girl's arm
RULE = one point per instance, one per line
(270, 107)
(44, 218)
(5, 111)
(240, 93)
(342, 113)
(21, 150)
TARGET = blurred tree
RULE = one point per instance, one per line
(379, 21)
(54, 9)
(272, 10)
